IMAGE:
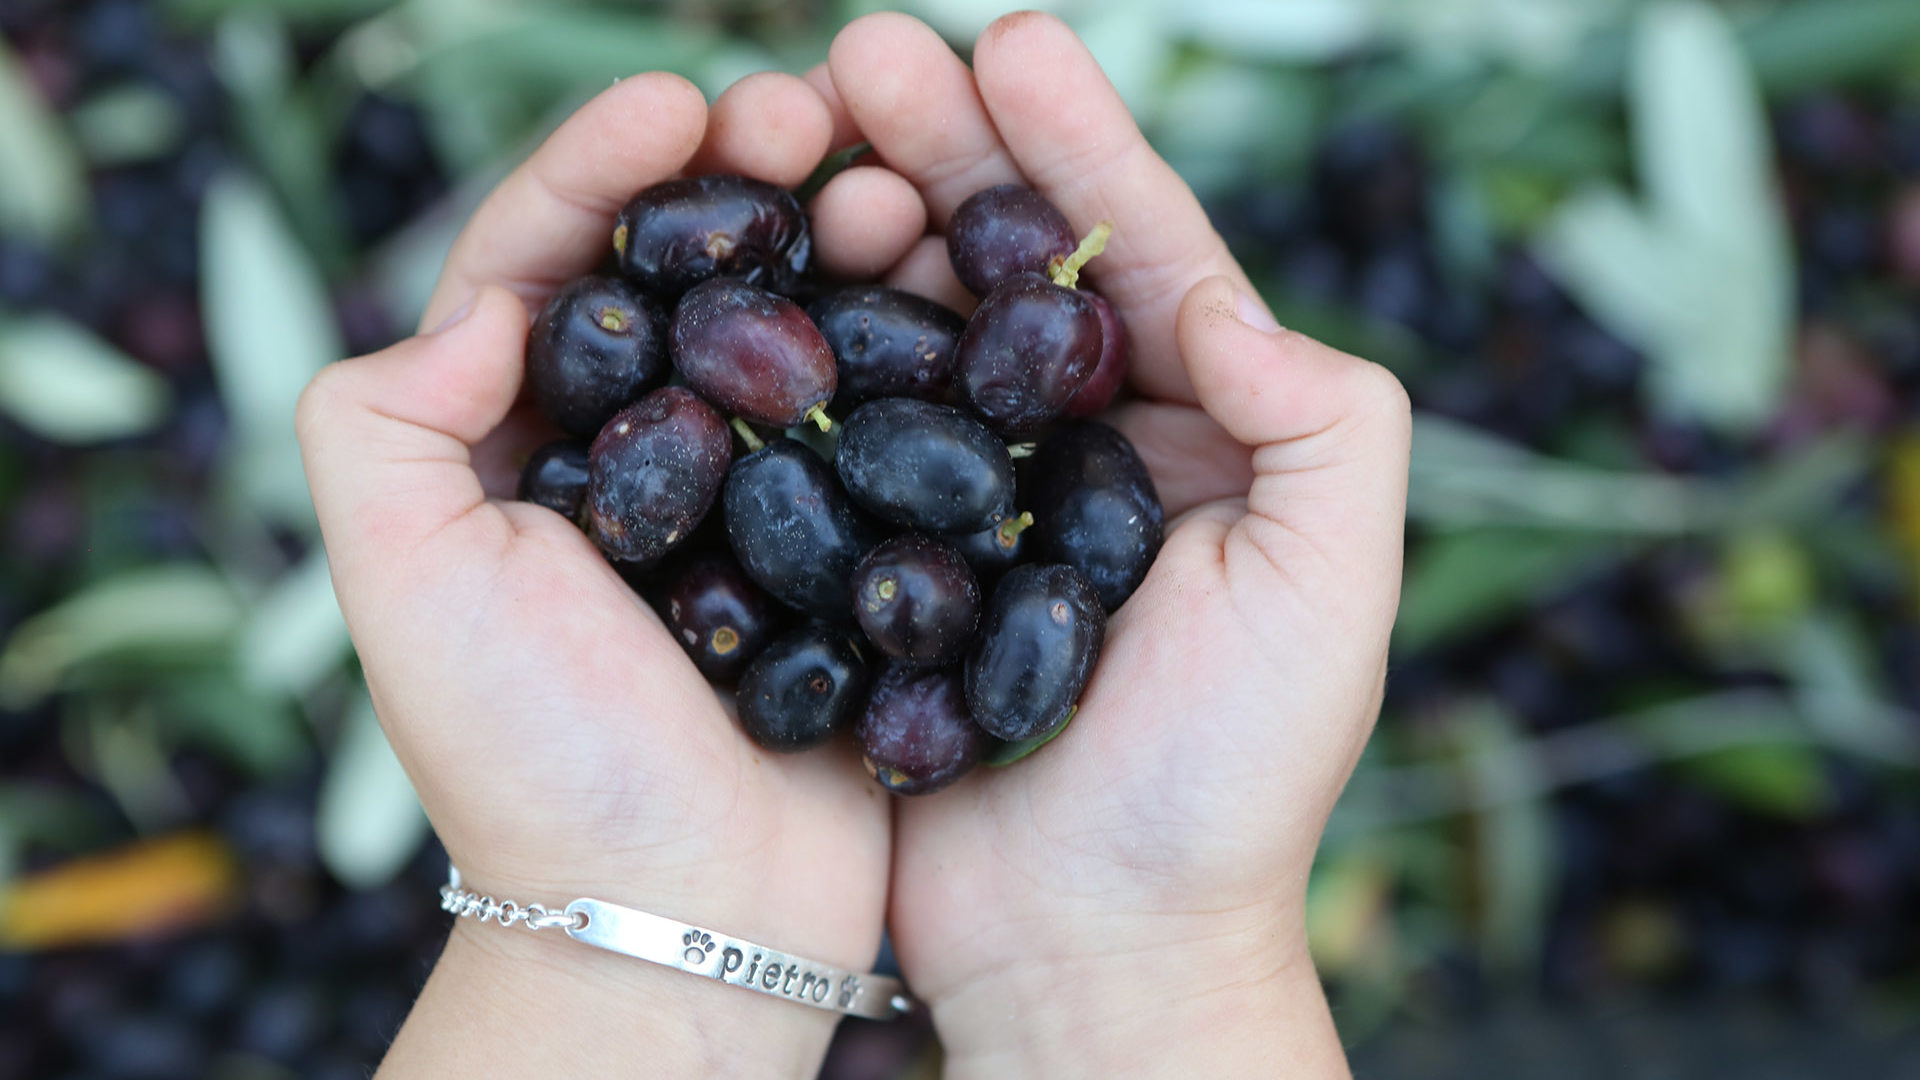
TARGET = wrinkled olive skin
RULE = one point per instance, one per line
(752, 353)
(914, 734)
(719, 617)
(1043, 635)
(1098, 391)
(888, 343)
(1028, 349)
(802, 689)
(555, 477)
(679, 233)
(796, 534)
(925, 466)
(917, 600)
(595, 348)
(1002, 231)
(653, 473)
(1103, 517)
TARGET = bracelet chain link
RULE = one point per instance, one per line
(463, 903)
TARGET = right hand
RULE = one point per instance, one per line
(1130, 899)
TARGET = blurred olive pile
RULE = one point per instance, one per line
(1650, 270)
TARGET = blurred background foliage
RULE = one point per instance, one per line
(1650, 270)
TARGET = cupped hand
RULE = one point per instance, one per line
(562, 743)
(564, 746)
(1142, 878)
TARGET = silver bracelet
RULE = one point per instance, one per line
(693, 949)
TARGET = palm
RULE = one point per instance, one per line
(562, 685)
(562, 742)
(1204, 732)
(1237, 685)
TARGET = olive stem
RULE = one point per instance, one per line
(754, 442)
(1013, 527)
(1067, 273)
(818, 414)
(1020, 450)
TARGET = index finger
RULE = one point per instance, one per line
(914, 99)
(1075, 140)
(551, 219)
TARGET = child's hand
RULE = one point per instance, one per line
(563, 744)
(1128, 901)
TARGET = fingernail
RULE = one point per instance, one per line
(459, 314)
(1253, 313)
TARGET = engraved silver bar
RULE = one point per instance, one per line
(701, 951)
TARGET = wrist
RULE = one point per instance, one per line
(509, 1002)
(1231, 994)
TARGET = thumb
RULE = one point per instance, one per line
(386, 437)
(1330, 434)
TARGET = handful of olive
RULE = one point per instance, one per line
(904, 573)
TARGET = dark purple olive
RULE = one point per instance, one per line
(206, 979)
(888, 343)
(917, 600)
(642, 576)
(647, 577)
(677, 234)
(993, 552)
(1002, 231)
(1028, 349)
(796, 534)
(597, 346)
(752, 353)
(555, 477)
(1097, 392)
(1103, 516)
(801, 689)
(719, 617)
(135, 1046)
(915, 735)
(1043, 634)
(653, 473)
(925, 466)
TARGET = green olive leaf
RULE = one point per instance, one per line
(368, 821)
(43, 183)
(61, 382)
(1006, 753)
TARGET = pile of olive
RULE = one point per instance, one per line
(933, 570)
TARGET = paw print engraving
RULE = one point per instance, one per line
(849, 989)
(699, 944)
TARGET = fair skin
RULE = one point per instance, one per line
(1129, 901)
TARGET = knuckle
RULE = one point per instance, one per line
(1380, 396)
(322, 399)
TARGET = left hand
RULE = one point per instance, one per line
(561, 741)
